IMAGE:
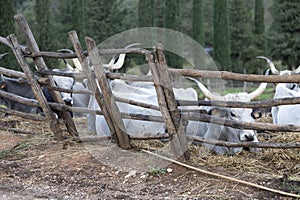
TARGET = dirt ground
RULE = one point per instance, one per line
(35, 166)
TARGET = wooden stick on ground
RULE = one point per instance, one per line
(223, 177)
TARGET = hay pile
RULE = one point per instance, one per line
(270, 163)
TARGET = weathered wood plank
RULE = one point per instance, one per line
(235, 76)
(39, 62)
(164, 106)
(74, 55)
(91, 79)
(36, 88)
(23, 115)
(10, 72)
(109, 99)
(167, 87)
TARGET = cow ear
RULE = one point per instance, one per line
(3, 85)
(214, 111)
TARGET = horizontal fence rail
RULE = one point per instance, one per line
(186, 114)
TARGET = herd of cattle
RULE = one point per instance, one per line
(145, 92)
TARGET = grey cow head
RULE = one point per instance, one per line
(288, 86)
(287, 114)
(65, 83)
(215, 131)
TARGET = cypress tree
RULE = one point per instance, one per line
(43, 30)
(171, 21)
(146, 13)
(78, 17)
(172, 14)
(198, 33)
(43, 25)
(221, 35)
(100, 25)
(160, 9)
(285, 32)
(259, 26)
(243, 50)
(6, 28)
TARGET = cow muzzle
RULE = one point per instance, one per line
(248, 136)
(68, 101)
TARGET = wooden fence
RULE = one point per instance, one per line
(173, 117)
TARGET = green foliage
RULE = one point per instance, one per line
(157, 171)
(7, 27)
(172, 22)
(221, 35)
(259, 24)
(259, 27)
(15, 151)
(69, 16)
(198, 32)
(146, 13)
(243, 49)
(172, 14)
(42, 27)
(208, 22)
(51, 20)
(285, 32)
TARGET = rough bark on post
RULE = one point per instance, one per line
(90, 76)
(170, 99)
(109, 99)
(177, 146)
(36, 89)
(162, 103)
(39, 62)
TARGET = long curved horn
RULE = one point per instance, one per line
(120, 62)
(75, 61)
(206, 92)
(68, 65)
(297, 71)
(65, 50)
(271, 64)
(256, 93)
(2, 55)
(132, 45)
(261, 88)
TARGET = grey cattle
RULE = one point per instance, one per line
(80, 100)
(215, 131)
(144, 95)
(18, 87)
(65, 83)
(147, 95)
(285, 114)
(21, 88)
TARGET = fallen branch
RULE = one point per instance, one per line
(222, 176)
(15, 130)
(23, 115)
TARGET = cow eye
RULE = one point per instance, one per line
(232, 114)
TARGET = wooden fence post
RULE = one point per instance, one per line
(91, 79)
(167, 102)
(109, 99)
(36, 89)
(41, 65)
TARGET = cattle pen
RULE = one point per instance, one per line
(171, 115)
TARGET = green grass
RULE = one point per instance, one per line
(14, 151)
(157, 171)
